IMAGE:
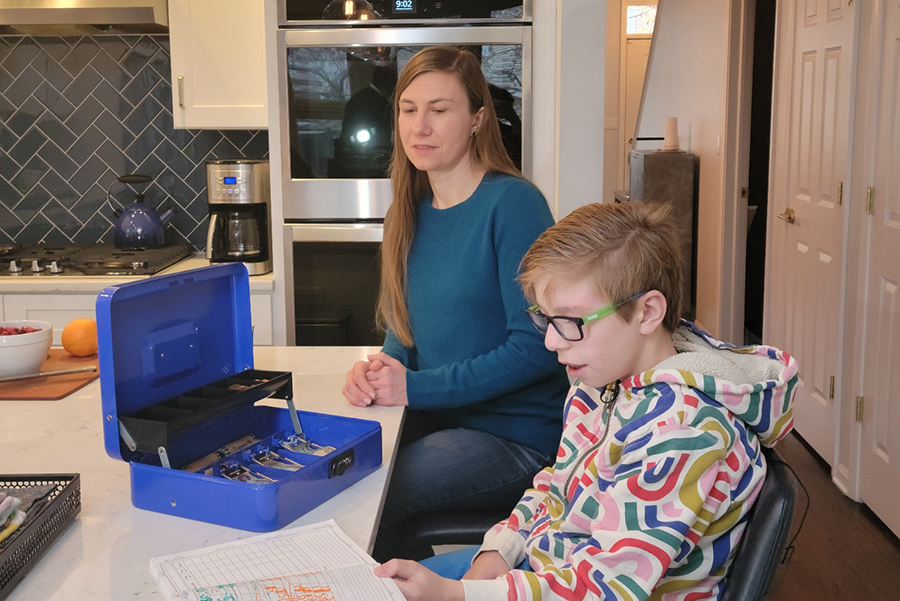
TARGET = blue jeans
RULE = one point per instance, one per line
(438, 472)
(455, 564)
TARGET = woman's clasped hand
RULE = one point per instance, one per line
(379, 381)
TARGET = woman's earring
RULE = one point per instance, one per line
(473, 132)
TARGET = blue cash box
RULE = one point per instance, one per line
(179, 392)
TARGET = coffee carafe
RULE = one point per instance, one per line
(242, 234)
(238, 193)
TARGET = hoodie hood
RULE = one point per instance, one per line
(755, 383)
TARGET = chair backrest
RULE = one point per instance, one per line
(763, 546)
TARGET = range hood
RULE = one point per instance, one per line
(83, 17)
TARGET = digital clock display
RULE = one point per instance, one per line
(230, 181)
(404, 6)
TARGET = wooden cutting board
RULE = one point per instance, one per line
(51, 388)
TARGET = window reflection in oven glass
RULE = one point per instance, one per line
(340, 105)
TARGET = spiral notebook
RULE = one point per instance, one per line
(311, 562)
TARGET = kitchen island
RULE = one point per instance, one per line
(105, 554)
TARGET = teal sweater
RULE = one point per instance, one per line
(477, 361)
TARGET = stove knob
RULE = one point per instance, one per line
(55, 267)
(14, 267)
(36, 267)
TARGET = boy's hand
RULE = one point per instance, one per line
(418, 583)
(357, 389)
(387, 377)
(487, 566)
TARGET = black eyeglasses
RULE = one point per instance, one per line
(572, 328)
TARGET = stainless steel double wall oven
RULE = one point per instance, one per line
(339, 62)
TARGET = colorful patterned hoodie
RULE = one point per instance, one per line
(653, 480)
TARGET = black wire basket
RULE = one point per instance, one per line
(48, 516)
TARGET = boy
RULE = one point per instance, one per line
(660, 458)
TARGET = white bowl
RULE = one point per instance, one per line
(24, 353)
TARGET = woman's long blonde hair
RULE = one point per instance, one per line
(409, 184)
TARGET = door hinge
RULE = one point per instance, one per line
(840, 193)
(870, 200)
(831, 388)
(860, 404)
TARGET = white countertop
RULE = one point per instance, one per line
(105, 554)
(51, 284)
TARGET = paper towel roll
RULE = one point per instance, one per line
(671, 140)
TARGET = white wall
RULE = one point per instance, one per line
(687, 78)
(568, 76)
(611, 122)
(581, 99)
(545, 67)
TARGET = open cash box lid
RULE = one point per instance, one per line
(167, 335)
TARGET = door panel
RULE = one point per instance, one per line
(880, 442)
(806, 252)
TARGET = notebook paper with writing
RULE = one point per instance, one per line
(311, 562)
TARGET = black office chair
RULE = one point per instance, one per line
(763, 547)
(456, 528)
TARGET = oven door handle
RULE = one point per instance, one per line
(337, 232)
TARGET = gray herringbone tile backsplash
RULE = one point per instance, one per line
(75, 113)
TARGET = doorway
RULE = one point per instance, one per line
(638, 20)
(758, 172)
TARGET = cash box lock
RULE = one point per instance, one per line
(341, 463)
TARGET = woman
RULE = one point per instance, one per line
(484, 396)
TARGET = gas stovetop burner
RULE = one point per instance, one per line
(97, 259)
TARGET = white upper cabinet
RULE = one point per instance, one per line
(218, 64)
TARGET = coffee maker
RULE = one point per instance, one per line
(238, 191)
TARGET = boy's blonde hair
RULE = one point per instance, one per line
(624, 249)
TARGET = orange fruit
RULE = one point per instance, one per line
(79, 337)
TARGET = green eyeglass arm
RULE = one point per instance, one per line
(607, 310)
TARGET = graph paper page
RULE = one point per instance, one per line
(312, 562)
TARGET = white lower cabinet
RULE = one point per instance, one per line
(59, 309)
(261, 316)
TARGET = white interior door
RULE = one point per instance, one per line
(809, 162)
(880, 438)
